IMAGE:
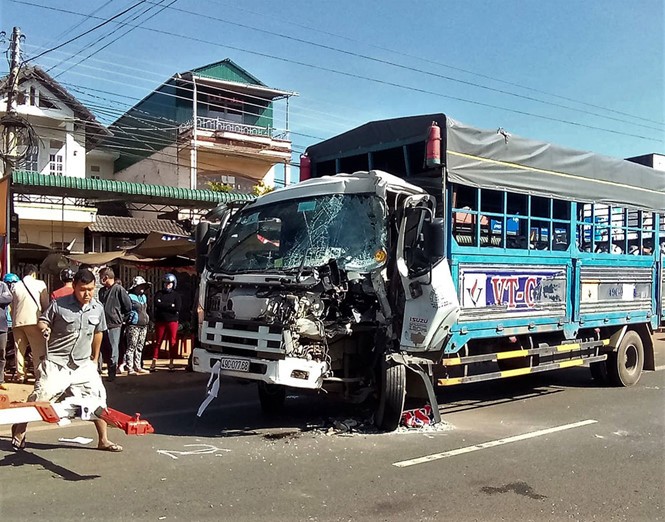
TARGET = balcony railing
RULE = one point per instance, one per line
(222, 125)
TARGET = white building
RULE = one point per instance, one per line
(66, 133)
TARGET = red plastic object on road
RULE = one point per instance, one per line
(19, 412)
(130, 425)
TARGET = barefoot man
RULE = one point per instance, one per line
(73, 326)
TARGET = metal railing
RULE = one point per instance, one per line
(220, 124)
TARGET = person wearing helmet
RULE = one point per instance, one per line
(10, 279)
(5, 300)
(137, 326)
(167, 304)
(67, 288)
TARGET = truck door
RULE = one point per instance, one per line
(431, 304)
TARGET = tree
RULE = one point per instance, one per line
(218, 186)
(261, 188)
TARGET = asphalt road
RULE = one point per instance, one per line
(545, 447)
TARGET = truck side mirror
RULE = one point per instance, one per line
(434, 233)
(202, 235)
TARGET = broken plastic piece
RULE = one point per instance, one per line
(130, 425)
(212, 388)
(418, 418)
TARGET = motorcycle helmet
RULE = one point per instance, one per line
(66, 275)
(169, 278)
(11, 278)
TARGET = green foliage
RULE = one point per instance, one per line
(261, 188)
(218, 186)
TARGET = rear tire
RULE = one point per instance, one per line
(624, 366)
(272, 397)
(392, 396)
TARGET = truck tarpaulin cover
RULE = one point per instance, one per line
(492, 160)
(489, 159)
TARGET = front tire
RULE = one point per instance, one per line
(392, 396)
(272, 397)
(624, 366)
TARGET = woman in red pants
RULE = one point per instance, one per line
(167, 305)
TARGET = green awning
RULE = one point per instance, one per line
(29, 182)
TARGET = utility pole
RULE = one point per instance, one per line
(15, 54)
(10, 137)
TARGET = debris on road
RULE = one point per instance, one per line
(76, 440)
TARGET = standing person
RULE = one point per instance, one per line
(117, 306)
(67, 280)
(30, 300)
(5, 299)
(137, 326)
(73, 326)
(167, 304)
(10, 354)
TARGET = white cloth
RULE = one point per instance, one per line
(52, 380)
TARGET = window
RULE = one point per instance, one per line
(230, 109)
(94, 168)
(494, 218)
(604, 229)
(55, 165)
(33, 96)
(31, 160)
(45, 102)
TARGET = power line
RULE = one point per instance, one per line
(77, 24)
(437, 63)
(374, 80)
(401, 66)
(86, 32)
(119, 36)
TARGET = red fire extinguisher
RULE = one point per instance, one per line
(433, 149)
(305, 167)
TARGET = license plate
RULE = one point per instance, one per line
(236, 365)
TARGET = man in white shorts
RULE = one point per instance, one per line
(73, 326)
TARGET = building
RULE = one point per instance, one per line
(66, 136)
(212, 125)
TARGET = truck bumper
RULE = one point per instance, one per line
(292, 372)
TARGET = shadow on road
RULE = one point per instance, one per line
(224, 418)
(28, 458)
(237, 412)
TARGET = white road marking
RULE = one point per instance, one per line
(491, 444)
(660, 368)
(204, 449)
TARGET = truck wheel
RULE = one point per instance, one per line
(271, 397)
(393, 394)
(624, 366)
(599, 371)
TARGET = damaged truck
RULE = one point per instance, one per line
(418, 253)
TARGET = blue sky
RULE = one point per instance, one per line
(598, 66)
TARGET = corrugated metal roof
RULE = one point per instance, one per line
(28, 182)
(135, 226)
(227, 69)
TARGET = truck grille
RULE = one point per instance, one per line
(243, 336)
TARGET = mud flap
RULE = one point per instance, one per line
(414, 364)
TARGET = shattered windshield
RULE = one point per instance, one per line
(291, 235)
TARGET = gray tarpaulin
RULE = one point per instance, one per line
(491, 160)
(485, 158)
